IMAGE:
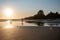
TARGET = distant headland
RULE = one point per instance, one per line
(41, 15)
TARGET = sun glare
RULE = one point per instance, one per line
(9, 26)
(8, 11)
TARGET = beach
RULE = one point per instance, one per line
(30, 33)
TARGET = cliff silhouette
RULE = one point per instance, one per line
(41, 15)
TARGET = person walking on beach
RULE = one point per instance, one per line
(22, 22)
(10, 22)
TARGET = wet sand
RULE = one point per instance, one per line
(30, 33)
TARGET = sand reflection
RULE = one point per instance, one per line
(8, 26)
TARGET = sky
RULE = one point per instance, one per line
(26, 8)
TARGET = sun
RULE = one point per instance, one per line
(8, 11)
